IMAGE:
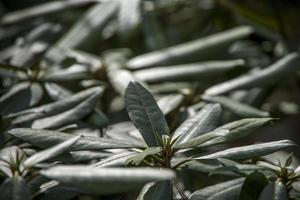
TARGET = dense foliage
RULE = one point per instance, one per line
(141, 99)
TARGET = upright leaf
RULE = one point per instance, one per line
(145, 114)
(253, 186)
(15, 188)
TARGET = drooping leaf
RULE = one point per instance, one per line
(15, 188)
(201, 49)
(250, 151)
(51, 152)
(99, 180)
(207, 192)
(159, 191)
(281, 69)
(253, 186)
(145, 114)
(238, 108)
(204, 121)
(45, 139)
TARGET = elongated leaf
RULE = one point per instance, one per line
(21, 96)
(100, 180)
(42, 10)
(250, 151)
(116, 160)
(281, 69)
(82, 36)
(274, 191)
(187, 72)
(204, 121)
(201, 49)
(238, 129)
(51, 152)
(46, 139)
(70, 116)
(88, 155)
(158, 191)
(15, 188)
(170, 102)
(139, 157)
(10, 156)
(207, 192)
(57, 107)
(253, 186)
(118, 76)
(238, 108)
(129, 17)
(280, 191)
(193, 143)
(145, 114)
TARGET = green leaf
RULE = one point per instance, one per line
(159, 191)
(250, 151)
(139, 157)
(145, 114)
(237, 129)
(116, 160)
(69, 116)
(170, 102)
(241, 169)
(210, 191)
(20, 96)
(129, 17)
(11, 156)
(187, 72)
(204, 121)
(202, 48)
(51, 152)
(280, 191)
(15, 188)
(118, 76)
(45, 139)
(253, 186)
(285, 67)
(193, 143)
(84, 37)
(99, 180)
(235, 107)
(64, 112)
